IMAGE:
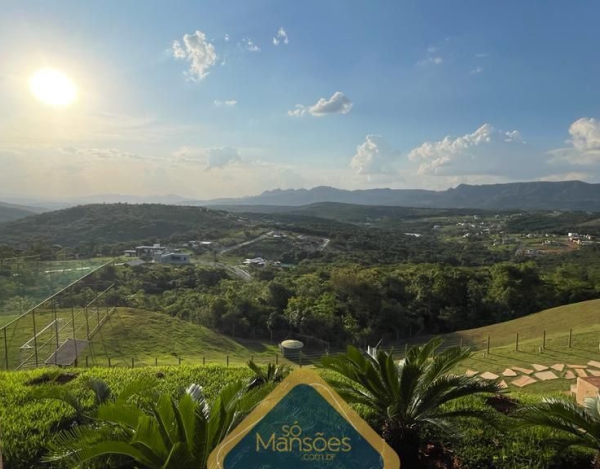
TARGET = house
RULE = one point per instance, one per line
(174, 258)
(130, 253)
(259, 261)
(150, 250)
(586, 387)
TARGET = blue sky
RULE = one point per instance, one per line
(195, 97)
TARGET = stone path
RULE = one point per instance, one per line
(546, 375)
(539, 372)
(523, 381)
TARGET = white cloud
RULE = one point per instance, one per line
(281, 37)
(220, 157)
(584, 149)
(482, 55)
(476, 71)
(374, 156)
(585, 133)
(228, 103)
(487, 151)
(226, 38)
(436, 60)
(337, 104)
(250, 46)
(198, 52)
(209, 157)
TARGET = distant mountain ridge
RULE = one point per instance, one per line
(11, 212)
(538, 195)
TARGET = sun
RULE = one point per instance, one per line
(53, 88)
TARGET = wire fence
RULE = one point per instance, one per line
(530, 343)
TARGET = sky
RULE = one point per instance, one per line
(226, 98)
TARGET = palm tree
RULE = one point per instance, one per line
(408, 395)
(157, 431)
(272, 375)
(574, 425)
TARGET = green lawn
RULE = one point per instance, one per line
(582, 318)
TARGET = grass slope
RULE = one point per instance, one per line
(583, 318)
(580, 317)
(146, 336)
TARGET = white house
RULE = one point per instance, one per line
(174, 258)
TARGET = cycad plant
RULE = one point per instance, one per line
(157, 431)
(406, 396)
(574, 425)
(77, 401)
(273, 374)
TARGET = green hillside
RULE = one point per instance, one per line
(581, 317)
(10, 212)
(112, 223)
(146, 336)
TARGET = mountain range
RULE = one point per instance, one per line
(539, 195)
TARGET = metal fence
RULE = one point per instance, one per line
(66, 320)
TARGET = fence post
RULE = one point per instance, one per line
(544, 341)
(132, 362)
(204, 360)
(5, 350)
(517, 343)
(155, 361)
(35, 340)
(570, 336)
(86, 361)
(179, 360)
(488, 345)
(300, 359)
(109, 362)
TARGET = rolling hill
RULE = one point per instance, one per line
(113, 223)
(146, 336)
(11, 212)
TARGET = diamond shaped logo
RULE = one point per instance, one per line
(303, 424)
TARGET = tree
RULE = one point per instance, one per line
(158, 431)
(574, 425)
(409, 395)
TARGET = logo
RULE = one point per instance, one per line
(303, 424)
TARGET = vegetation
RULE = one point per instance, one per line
(406, 397)
(573, 425)
(156, 430)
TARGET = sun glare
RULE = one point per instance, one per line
(53, 88)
